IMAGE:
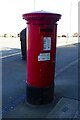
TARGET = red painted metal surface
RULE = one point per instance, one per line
(40, 73)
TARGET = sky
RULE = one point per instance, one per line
(11, 14)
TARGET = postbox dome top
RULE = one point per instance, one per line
(41, 16)
(40, 12)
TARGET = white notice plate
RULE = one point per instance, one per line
(47, 43)
(44, 57)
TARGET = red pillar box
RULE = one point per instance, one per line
(41, 51)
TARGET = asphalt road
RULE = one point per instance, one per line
(66, 81)
(14, 76)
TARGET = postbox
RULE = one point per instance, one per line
(41, 54)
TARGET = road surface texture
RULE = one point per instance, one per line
(66, 98)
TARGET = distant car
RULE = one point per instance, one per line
(75, 35)
(63, 35)
(58, 36)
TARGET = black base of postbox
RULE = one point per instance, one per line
(39, 96)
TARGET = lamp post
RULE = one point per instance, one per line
(70, 19)
(70, 16)
(34, 5)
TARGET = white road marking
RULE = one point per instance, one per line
(67, 66)
(1, 57)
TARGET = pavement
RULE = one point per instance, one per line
(66, 98)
